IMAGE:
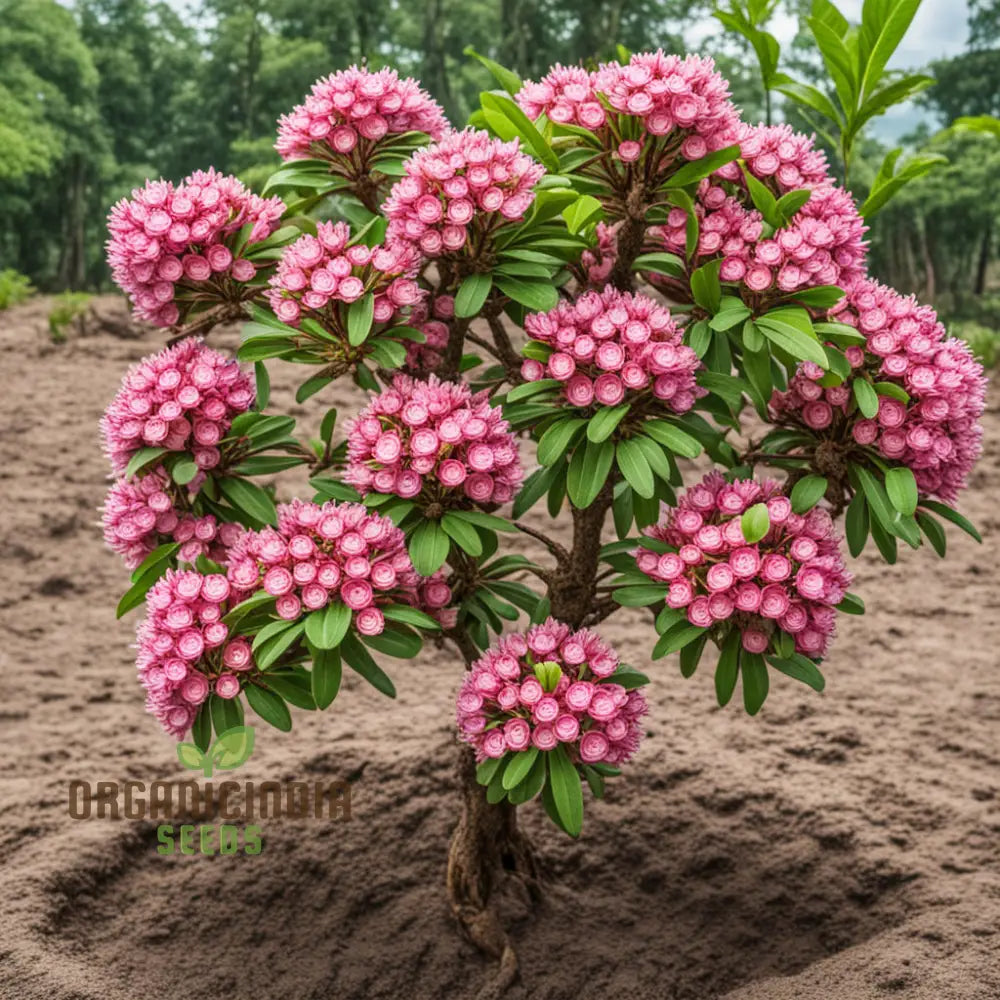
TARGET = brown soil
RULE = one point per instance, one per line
(842, 845)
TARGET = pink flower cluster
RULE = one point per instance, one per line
(822, 245)
(171, 239)
(467, 182)
(183, 398)
(777, 154)
(334, 552)
(609, 343)
(357, 106)
(436, 437)
(594, 718)
(791, 579)
(140, 515)
(566, 95)
(316, 271)
(670, 92)
(185, 653)
(666, 91)
(937, 433)
(430, 317)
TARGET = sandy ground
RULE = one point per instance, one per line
(837, 846)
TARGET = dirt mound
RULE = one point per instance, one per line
(842, 845)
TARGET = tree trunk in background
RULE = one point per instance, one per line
(930, 285)
(515, 35)
(985, 246)
(434, 73)
(73, 255)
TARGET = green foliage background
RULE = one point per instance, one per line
(98, 95)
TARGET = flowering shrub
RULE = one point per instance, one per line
(560, 211)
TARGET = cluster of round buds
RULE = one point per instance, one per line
(140, 515)
(609, 344)
(458, 188)
(566, 96)
(778, 155)
(356, 108)
(183, 398)
(791, 579)
(185, 651)
(504, 706)
(317, 271)
(433, 439)
(672, 93)
(168, 240)
(596, 264)
(822, 244)
(332, 552)
(430, 317)
(936, 433)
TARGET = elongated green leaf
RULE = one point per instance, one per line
(856, 524)
(249, 498)
(791, 339)
(728, 667)
(755, 523)
(494, 104)
(755, 683)
(603, 423)
(360, 660)
(472, 294)
(634, 467)
(588, 471)
(866, 397)
(678, 441)
(943, 510)
(463, 534)
(807, 492)
(558, 437)
(538, 296)
(800, 668)
(901, 486)
(142, 458)
(327, 626)
(269, 706)
(934, 533)
(428, 547)
(695, 170)
(507, 79)
(399, 641)
(517, 770)
(325, 676)
(567, 791)
(360, 315)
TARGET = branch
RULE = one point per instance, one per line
(505, 349)
(554, 547)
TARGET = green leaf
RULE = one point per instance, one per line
(537, 296)
(472, 294)
(639, 595)
(360, 660)
(360, 315)
(866, 397)
(272, 641)
(856, 524)
(484, 520)
(517, 770)
(495, 104)
(695, 170)
(705, 287)
(528, 389)
(678, 441)
(325, 676)
(851, 604)
(807, 492)
(659, 263)
(790, 337)
(676, 637)
(893, 391)
(892, 28)
(727, 669)
(201, 730)
(183, 470)
(582, 212)
(507, 79)
(588, 471)
(878, 502)
(399, 641)
(567, 791)
(249, 498)
(232, 748)
(942, 510)
(486, 771)
(916, 166)
(755, 683)
(808, 96)
(552, 445)
(532, 784)
(269, 706)
(691, 655)
(603, 423)
(934, 533)
(162, 554)
(463, 534)
(755, 523)
(901, 486)
(225, 712)
(801, 668)
(410, 616)
(326, 627)
(763, 200)
(136, 594)
(788, 206)
(142, 458)
(263, 383)
(634, 467)
(428, 547)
